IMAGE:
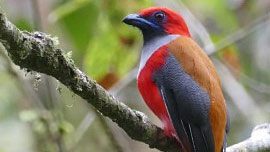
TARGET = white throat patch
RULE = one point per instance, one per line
(153, 45)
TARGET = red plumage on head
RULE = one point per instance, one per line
(175, 24)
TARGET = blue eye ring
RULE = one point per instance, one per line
(159, 16)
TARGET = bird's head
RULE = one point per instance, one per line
(155, 21)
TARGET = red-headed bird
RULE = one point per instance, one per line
(179, 82)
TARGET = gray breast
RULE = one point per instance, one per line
(153, 45)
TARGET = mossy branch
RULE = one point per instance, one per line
(39, 52)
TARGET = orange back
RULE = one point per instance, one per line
(197, 64)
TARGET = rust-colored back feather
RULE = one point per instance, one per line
(197, 64)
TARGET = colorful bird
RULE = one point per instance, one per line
(179, 82)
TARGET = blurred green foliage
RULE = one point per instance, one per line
(101, 40)
(220, 18)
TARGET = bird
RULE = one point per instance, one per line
(179, 82)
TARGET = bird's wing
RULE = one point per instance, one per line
(197, 64)
(194, 137)
(191, 90)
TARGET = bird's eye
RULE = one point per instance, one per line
(159, 16)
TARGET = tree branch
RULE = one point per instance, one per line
(259, 141)
(38, 52)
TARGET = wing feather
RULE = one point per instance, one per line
(187, 105)
(197, 64)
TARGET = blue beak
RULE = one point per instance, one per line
(140, 22)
